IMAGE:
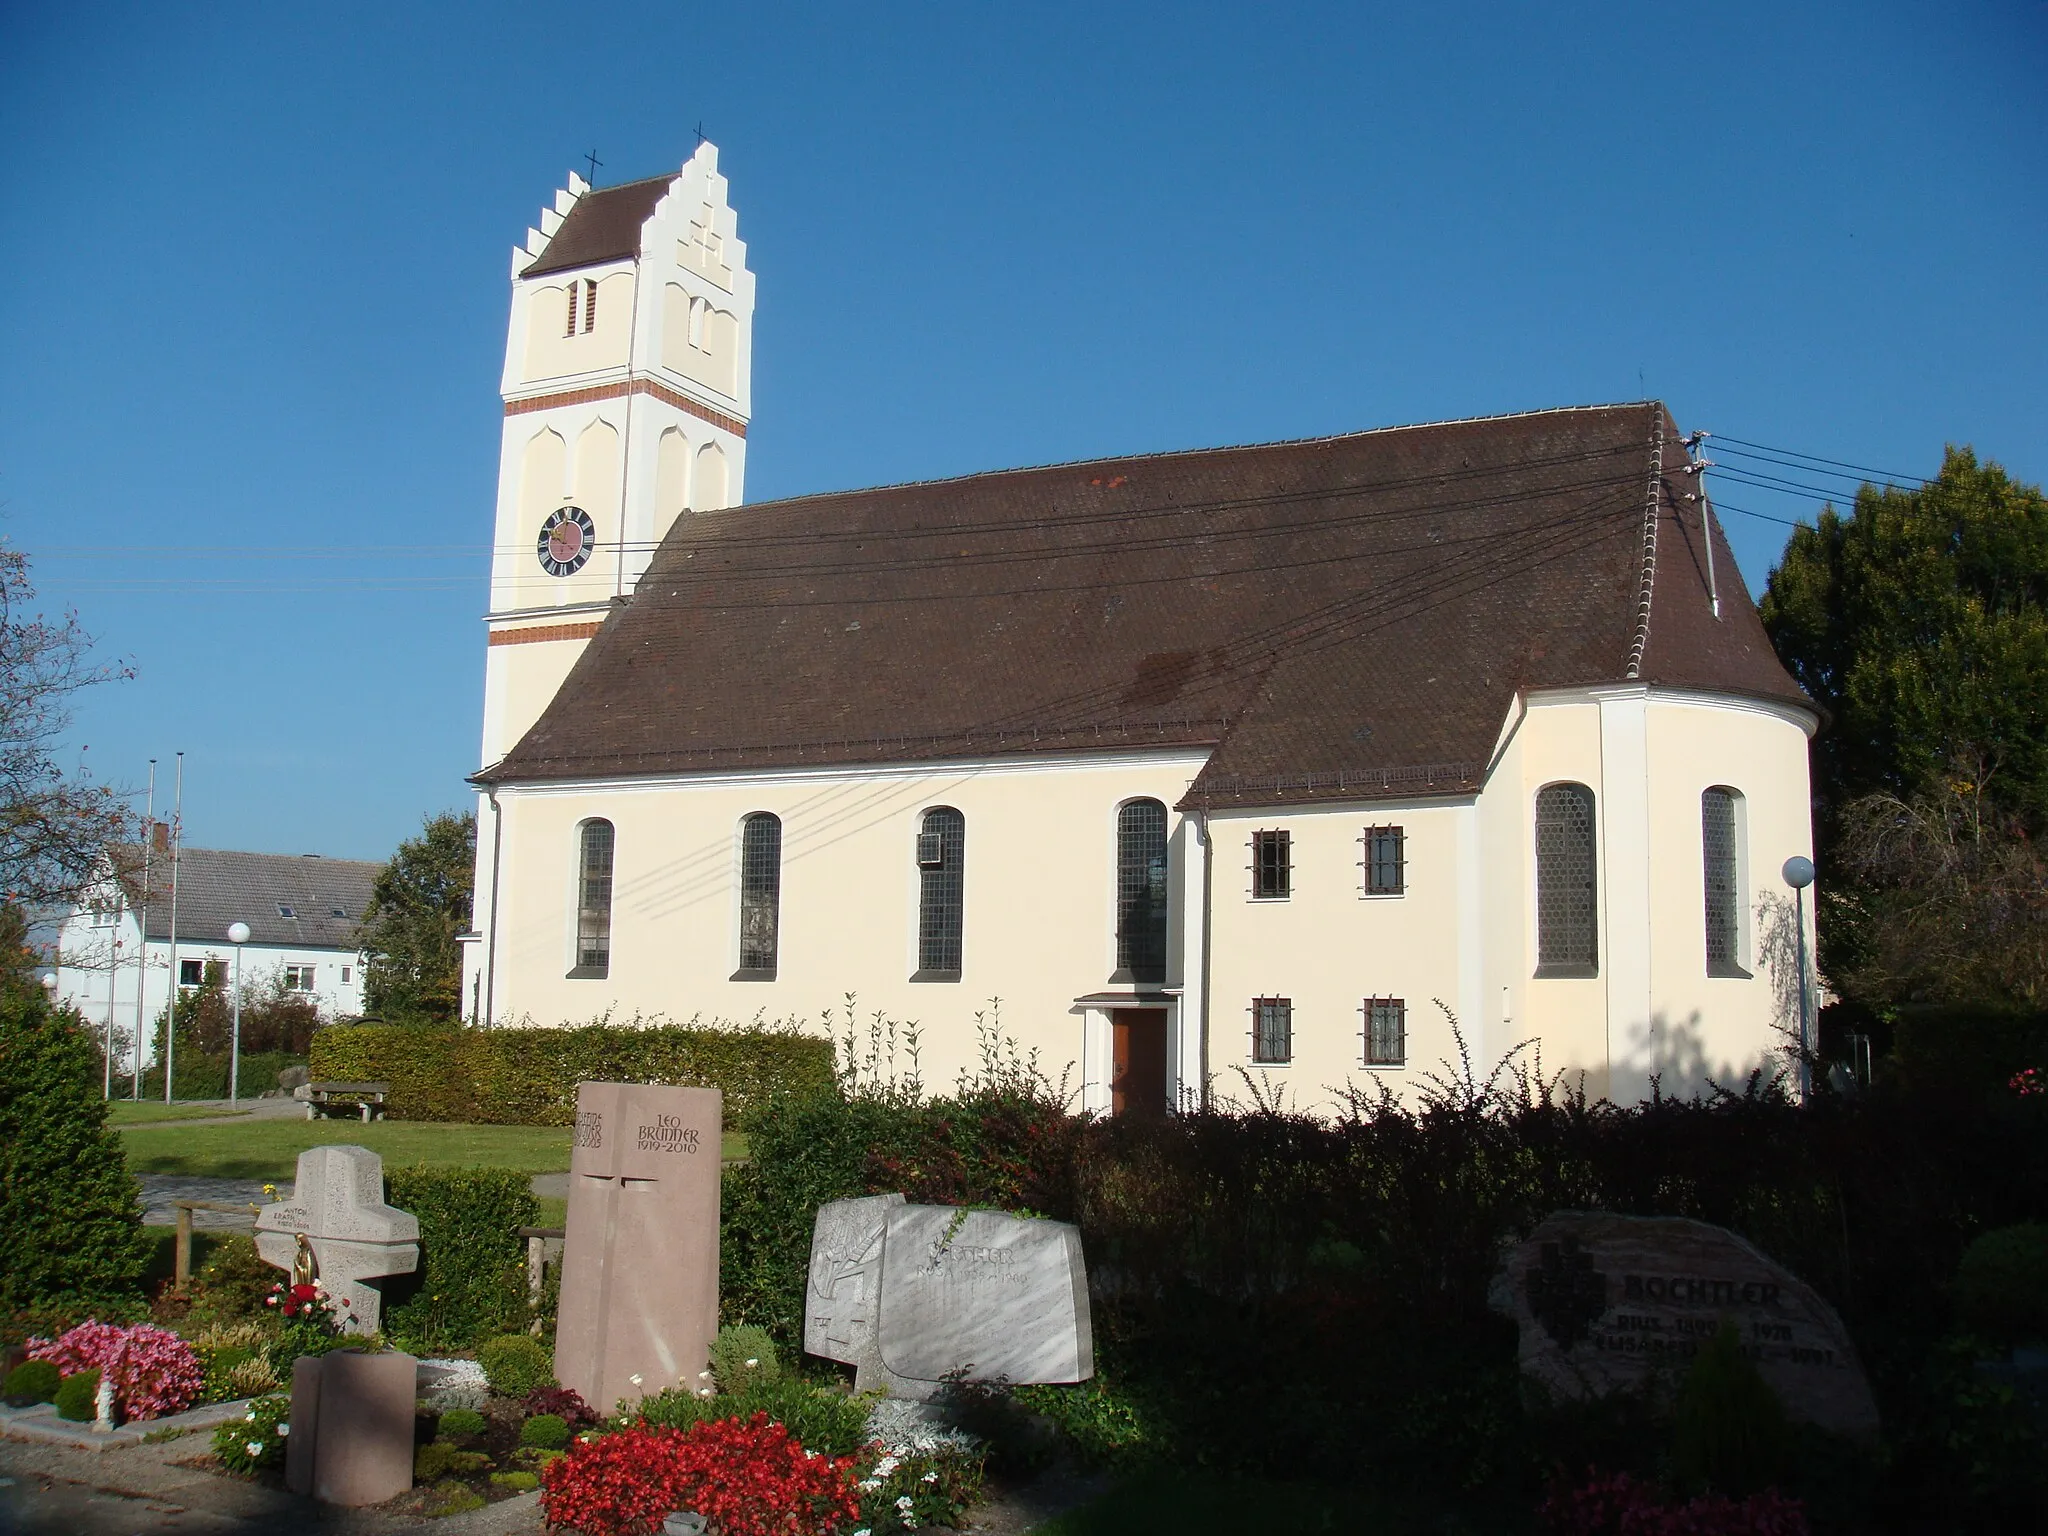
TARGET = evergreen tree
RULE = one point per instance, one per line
(72, 1227)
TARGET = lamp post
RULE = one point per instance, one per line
(238, 935)
(1798, 873)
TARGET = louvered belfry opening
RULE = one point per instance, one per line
(1567, 914)
(941, 846)
(760, 894)
(1141, 892)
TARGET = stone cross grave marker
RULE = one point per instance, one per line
(915, 1296)
(1610, 1303)
(338, 1206)
(640, 1259)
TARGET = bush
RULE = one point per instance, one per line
(1729, 1427)
(257, 1439)
(77, 1397)
(471, 1281)
(439, 1459)
(233, 1285)
(825, 1421)
(545, 1431)
(516, 1365)
(2002, 1284)
(458, 1422)
(564, 1403)
(154, 1371)
(742, 1355)
(529, 1076)
(518, 1482)
(1621, 1506)
(750, 1477)
(75, 1245)
(33, 1381)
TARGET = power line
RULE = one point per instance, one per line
(1882, 474)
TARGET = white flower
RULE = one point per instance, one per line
(283, 1430)
(903, 1504)
(931, 1477)
(870, 1484)
(635, 1378)
(250, 1415)
(705, 1392)
(863, 1531)
(255, 1447)
(753, 1362)
(703, 1375)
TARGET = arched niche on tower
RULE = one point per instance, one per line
(597, 472)
(711, 478)
(671, 478)
(543, 473)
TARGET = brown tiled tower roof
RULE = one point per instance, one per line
(1338, 618)
(603, 226)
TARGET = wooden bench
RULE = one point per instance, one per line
(366, 1099)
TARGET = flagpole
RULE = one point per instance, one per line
(142, 938)
(171, 1008)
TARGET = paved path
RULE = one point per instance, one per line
(160, 1189)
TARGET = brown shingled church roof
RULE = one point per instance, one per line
(603, 226)
(1338, 618)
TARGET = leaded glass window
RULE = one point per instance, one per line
(1272, 866)
(1272, 1030)
(1386, 861)
(1567, 927)
(941, 844)
(1141, 891)
(594, 900)
(760, 892)
(1724, 899)
(1386, 1031)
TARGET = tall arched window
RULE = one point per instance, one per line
(594, 900)
(1567, 916)
(1721, 854)
(760, 895)
(1141, 892)
(941, 890)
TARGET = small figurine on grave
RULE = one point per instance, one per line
(305, 1268)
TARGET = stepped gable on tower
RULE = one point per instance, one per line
(1339, 617)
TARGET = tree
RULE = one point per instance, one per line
(75, 1245)
(419, 904)
(1920, 622)
(55, 830)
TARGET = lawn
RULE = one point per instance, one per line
(269, 1149)
(125, 1112)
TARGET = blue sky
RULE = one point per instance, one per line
(253, 287)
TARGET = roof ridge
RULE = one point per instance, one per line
(1182, 453)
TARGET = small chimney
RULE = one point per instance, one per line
(160, 836)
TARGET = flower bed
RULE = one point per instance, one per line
(154, 1372)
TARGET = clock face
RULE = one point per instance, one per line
(566, 540)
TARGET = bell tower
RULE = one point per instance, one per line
(627, 388)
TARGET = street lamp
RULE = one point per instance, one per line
(238, 935)
(50, 982)
(1798, 873)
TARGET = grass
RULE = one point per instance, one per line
(126, 1112)
(269, 1149)
(1184, 1502)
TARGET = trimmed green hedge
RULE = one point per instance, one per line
(471, 1283)
(529, 1076)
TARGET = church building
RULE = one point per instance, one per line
(1259, 762)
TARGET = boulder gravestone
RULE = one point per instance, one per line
(338, 1206)
(640, 1257)
(1608, 1303)
(916, 1296)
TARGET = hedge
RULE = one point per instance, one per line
(529, 1076)
(471, 1280)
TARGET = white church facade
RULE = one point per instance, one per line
(1263, 761)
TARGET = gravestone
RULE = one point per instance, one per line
(338, 1206)
(1609, 1303)
(917, 1296)
(639, 1301)
(842, 1302)
(352, 1426)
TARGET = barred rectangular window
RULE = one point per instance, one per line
(1385, 861)
(1719, 852)
(1386, 1031)
(1272, 1030)
(1272, 866)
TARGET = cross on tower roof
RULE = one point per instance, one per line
(594, 164)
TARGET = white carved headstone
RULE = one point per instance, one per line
(842, 1302)
(338, 1205)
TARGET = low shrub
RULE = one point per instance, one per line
(910, 1490)
(2002, 1285)
(33, 1381)
(564, 1403)
(741, 1355)
(441, 1458)
(528, 1076)
(257, 1439)
(153, 1370)
(232, 1285)
(518, 1482)
(471, 1280)
(236, 1358)
(749, 1477)
(826, 1421)
(545, 1431)
(459, 1422)
(77, 1397)
(1728, 1426)
(515, 1365)
(452, 1498)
